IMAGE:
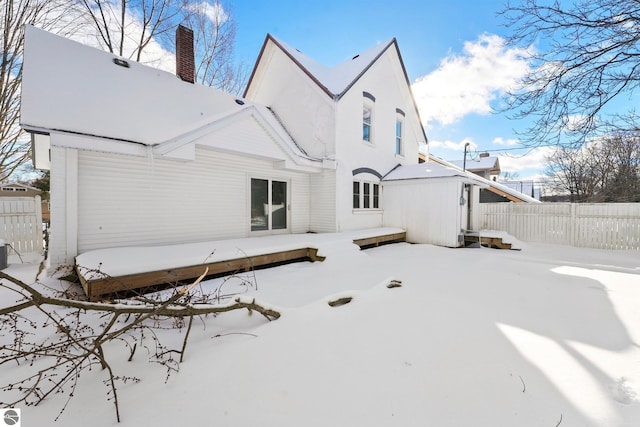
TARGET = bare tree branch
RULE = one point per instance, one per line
(584, 55)
(53, 364)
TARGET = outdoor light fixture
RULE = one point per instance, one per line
(239, 102)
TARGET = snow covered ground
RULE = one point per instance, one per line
(545, 336)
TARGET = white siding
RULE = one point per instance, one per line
(125, 200)
(64, 204)
(308, 112)
(323, 202)
(385, 81)
(244, 137)
(428, 210)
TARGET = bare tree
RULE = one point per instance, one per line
(127, 27)
(14, 14)
(587, 54)
(509, 175)
(578, 172)
(214, 36)
(604, 171)
(624, 181)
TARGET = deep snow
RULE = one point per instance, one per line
(545, 336)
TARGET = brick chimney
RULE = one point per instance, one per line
(185, 60)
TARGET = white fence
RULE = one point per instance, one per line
(591, 225)
(21, 223)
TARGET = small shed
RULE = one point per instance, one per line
(15, 189)
(434, 203)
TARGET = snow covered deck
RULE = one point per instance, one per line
(108, 271)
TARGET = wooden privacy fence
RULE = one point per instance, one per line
(21, 223)
(590, 225)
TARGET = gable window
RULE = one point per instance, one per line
(367, 117)
(399, 132)
(399, 150)
(366, 123)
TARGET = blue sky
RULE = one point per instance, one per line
(452, 51)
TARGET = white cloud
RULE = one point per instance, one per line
(214, 12)
(533, 159)
(85, 32)
(469, 82)
(454, 146)
(508, 142)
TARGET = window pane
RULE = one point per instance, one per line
(376, 196)
(278, 205)
(356, 195)
(366, 124)
(366, 196)
(259, 204)
(398, 136)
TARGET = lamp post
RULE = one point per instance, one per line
(464, 161)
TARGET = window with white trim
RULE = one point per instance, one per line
(367, 117)
(366, 195)
(399, 148)
(399, 132)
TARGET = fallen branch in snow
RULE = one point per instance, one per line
(559, 421)
(524, 387)
(56, 343)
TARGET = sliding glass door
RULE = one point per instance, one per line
(268, 205)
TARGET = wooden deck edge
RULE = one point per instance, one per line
(95, 288)
(490, 242)
(369, 242)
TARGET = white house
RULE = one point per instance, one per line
(141, 157)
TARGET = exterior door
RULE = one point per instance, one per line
(268, 205)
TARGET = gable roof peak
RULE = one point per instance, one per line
(334, 80)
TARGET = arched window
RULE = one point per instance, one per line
(366, 189)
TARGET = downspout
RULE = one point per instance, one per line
(335, 154)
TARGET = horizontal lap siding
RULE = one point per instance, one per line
(125, 200)
(323, 202)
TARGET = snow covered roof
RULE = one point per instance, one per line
(479, 164)
(338, 79)
(526, 187)
(431, 170)
(490, 185)
(76, 89)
